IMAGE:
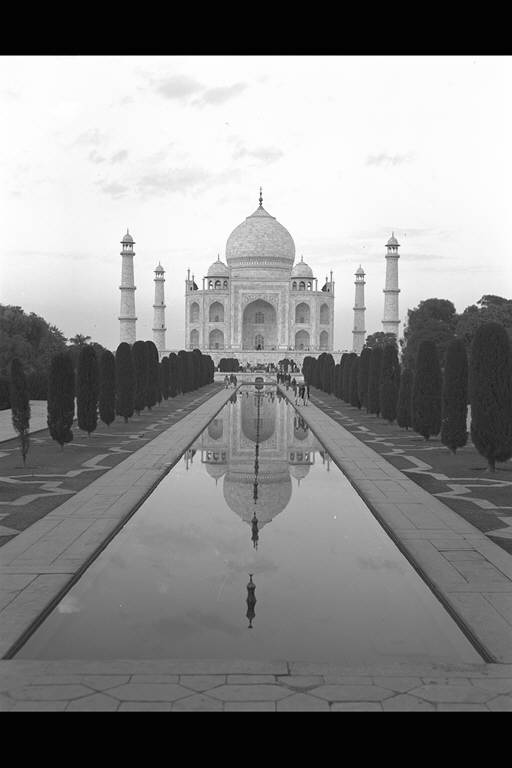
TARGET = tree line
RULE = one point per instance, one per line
(105, 386)
(430, 392)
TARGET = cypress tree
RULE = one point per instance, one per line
(343, 363)
(354, 390)
(125, 381)
(349, 361)
(454, 408)
(180, 370)
(426, 392)
(152, 384)
(87, 389)
(61, 398)
(20, 405)
(185, 380)
(389, 383)
(165, 377)
(337, 375)
(328, 373)
(173, 374)
(373, 401)
(190, 367)
(141, 373)
(490, 393)
(107, 399)
(404, 407)
(196, 357)
(362, 376)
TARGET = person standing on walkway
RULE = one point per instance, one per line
(306, 394)
(226, 381)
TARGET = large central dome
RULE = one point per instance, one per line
(260, 241)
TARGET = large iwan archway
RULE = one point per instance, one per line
(259, 326)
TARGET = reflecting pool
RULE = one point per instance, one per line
(254, 546)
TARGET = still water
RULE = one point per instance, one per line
(255, 546)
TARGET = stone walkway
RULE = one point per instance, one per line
(461, 481)
(244, 686)
(468, 572)
(28, 493)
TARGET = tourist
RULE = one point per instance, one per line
(306, 395)
(226, 381)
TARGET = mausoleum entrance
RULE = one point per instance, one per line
(259, 326)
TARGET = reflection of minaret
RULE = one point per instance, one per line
(391, 319)
(251, 600)
(254, 521)
(359, 332)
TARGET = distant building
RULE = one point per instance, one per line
(259, 306)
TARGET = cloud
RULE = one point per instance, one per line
(92, 137)
(221, 94)
(181, 87)
(386, 160)
(119, 157)
(114, 189)
(177, 86)
(94, 157)
(172, 180)
(264, 154)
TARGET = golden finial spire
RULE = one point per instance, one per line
(261, 198)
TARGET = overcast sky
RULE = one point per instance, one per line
(175, 148)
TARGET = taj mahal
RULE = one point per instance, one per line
(260, 305)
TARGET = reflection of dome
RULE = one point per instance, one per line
(267, 422)
(215, 429)
(298, 471)
(218, 269)
(260, 240)
(301, 269)
(274, 493)
(216, 470)
(301, 433)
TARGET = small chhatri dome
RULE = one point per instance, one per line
(392, 240)
(260, 241)
(218, 269)
(301, 269)
(359, 271)
(127, 238)
(159, 268)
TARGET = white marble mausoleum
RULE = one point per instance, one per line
(259, 305)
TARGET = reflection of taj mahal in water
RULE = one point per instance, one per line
(256, 445)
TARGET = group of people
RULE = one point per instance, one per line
(301, 392)
(230, 381)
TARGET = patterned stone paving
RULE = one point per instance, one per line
(460, 481)
(28, 494)
(127, 686)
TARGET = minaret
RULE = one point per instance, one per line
(127, 316)
(391, 319)
(359, 333)
(159, 328)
